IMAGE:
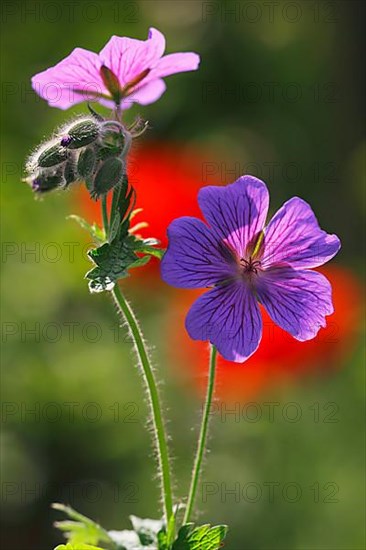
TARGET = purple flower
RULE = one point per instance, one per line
(125, 71)
(245, 262)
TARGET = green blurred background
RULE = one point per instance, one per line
(281, 91)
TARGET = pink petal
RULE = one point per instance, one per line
(79, 70)
(128, 57)
(146, 94)
(176, 63)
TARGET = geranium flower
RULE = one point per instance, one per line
(246, 263)
(280, 359)
(125, 71)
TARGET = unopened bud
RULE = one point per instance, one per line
(70, 173)
(52, 156)
(108, 176)
(46, 182)
(80, 134)
(86, 162)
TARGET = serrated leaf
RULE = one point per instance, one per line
(203, 537)
(112, 263)
(79, 529)
(94, 230)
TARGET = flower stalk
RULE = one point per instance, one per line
(159, 429)
(202, 440)
(127, 313)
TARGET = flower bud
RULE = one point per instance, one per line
(80, 134)
(86, 162)
(52, 156)
(47, 182)
(70, 172)
(108, 176)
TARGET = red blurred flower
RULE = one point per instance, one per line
(166, 178)
(279, 357)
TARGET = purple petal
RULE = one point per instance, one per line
(195, 258)
(229, 317)
(78, 71)
(176, 63)
(293, 236)
(236, 212)
(128, 57)
(146, 94)
(298, 301)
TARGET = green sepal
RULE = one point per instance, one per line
(94, 113)
(112, 84)
(203, 537)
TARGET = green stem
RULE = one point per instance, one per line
(160, 437)
(105, 215)
(202, 437)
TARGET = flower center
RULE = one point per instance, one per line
(249, 265)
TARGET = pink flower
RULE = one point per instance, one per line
(126, 71)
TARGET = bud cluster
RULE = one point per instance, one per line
(88, 149)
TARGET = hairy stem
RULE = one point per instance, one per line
(159, 429)
(105, 215)
(202, 436)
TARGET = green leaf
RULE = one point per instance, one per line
(147, 246)
(112, 261)
(79, 529)
(77, 547)
(94, 230)
(163, 540)
(203, 537)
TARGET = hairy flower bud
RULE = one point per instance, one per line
(52, 156)
(86, 162)
(47, 182)
(70, 172)
(80, 134)
(108, 176)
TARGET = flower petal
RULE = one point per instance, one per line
(293, 236)
(195, 258)
(236, 212)
(175, 63)
(128, 57)
(146, 94)
(229, 317)
(297, 300)
(78, 71)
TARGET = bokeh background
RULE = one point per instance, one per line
(280, 95)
